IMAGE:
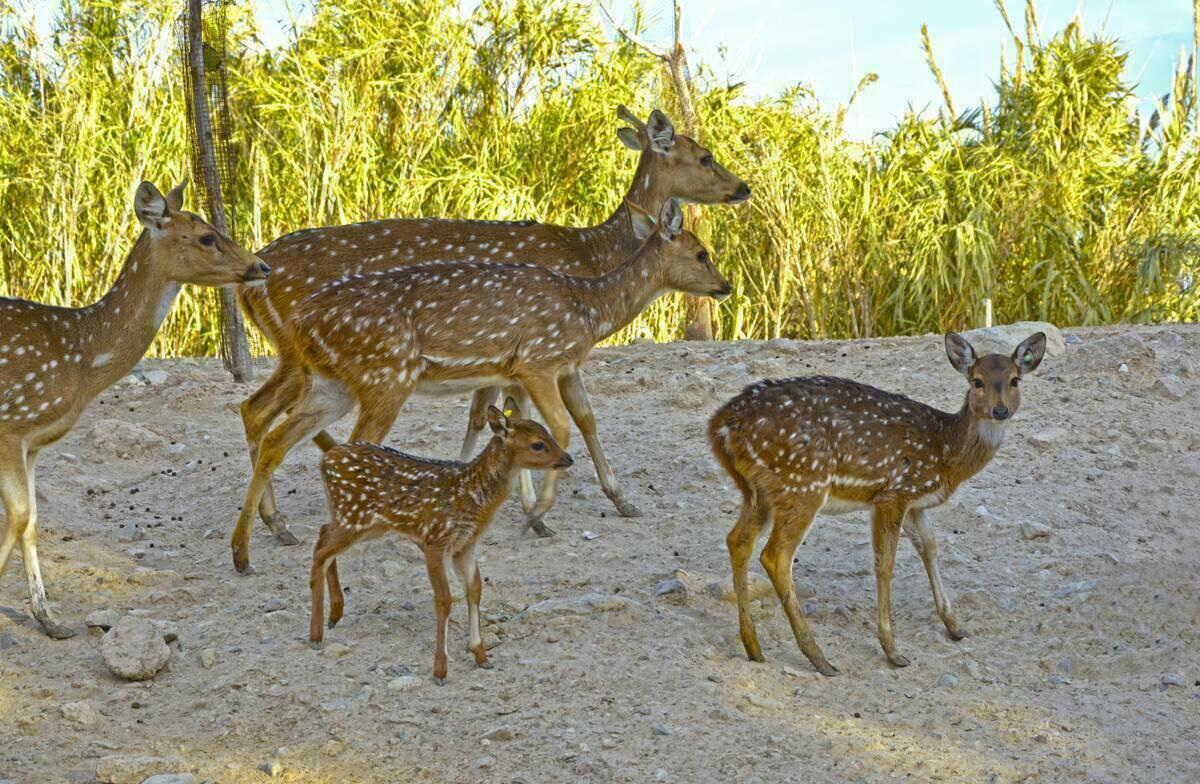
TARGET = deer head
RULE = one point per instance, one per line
(683, 168)
(994, 392)
(685, 263)
(530, 443)
(187, 248)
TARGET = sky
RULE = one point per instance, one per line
(829, 46)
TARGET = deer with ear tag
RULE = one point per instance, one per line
(442, 506)
(803, 446)
(54, 360)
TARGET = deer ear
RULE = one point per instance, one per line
(670, 220)
(1029, 354)
(623, 113)
(961, 355)
(497, 421)
(175, 196)
(150, 207)
(512, 409)
(631, 139)
(641, 221)
(660, 132)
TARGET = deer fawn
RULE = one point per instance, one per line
(372, 340)
(801, 446)
(444, 507)
(54, 360)
(671, 165)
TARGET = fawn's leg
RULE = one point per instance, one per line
(543, 390)
(477, 420)
(885, 535)
(920, 532)
(324, 402)
(435, 564)
(575, 397)
(793, 515)
(741, 541)
(259, 411)
(330, 541)
(467, 567)
(337, 600)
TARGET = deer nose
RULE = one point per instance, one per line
(258, 271)
(566, 461)
(1001, 412)
(741, 194)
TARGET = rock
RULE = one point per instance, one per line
(274, 604)
(134, 649)
(1173, 679)
(102, 619)
(404, 683)
(1048, 437)
(208, 657)
(500, 733)
(1002, 339)
(171, 778)
(484, 762)
(589, 536)
(155, 377)
(1058, 679)
(1074, 587)
(947, 680)
(583, 604)
(792, 672)
(392, 569)
(767, 703)
(134, 768)
(757, 586)
(1031, 531)
(672, 590)
(274, 768)
(7, 641)
(124, 439)
(661, 730)
(336, 650)
(81, 714)
(691, 392)
(1171, 387)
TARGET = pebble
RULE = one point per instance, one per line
(102, 619)
(485, 762)
(134, 649)
(1048, 437)
(759, 701)
(1170, 386)
(336, 650)
(155, 377)
(7, 641)
(673, 589)
(81, 714)
(590, 535)
(1173, 679)
(1058, 679)
(273, 768)
(134, 768)
(1031, 531)
(404, 683)
(500, 733)
(171, 778)
(274, 604)
(794, 673)
(947, 680)
(208, 657)
(1074, 587)
(661, 730)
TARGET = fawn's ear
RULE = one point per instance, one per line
(1029, 354)
(660, 132)
(961, 355)
(175, 196)
(670, 219)
(151, 207)
(497, 421)
(641, 221)
(631, 139)
(512, 409)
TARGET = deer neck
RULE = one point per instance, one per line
(116, 330)
(614, 241)
(614, 300)
(973, 441)
(489, 478)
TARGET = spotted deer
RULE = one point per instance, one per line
(54, 360)
(373, 340)
(670, 165)
(800, 446)
(442, 506)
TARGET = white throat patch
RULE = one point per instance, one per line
(991, 432)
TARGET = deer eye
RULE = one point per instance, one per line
(1014, 381)
(702, 256)
(706, 160)
(538, 446)
(208, 240)
(978, 383)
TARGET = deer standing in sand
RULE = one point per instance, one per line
(442, 506)
(671, 165)
(801, 446)
(373, 339)
(54, 360)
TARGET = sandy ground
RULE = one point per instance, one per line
(1082, 665)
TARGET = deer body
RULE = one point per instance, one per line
(373, 340)
(305, 261)
(442, 506)
(803, 446)
(55, 360)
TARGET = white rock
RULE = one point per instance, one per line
(155, 377)
(1031, 531)
(134, 649)
(1004, 338)
(123, 439)
(171, 778)
(81, 714)
(134, 768)
(1048, 437)
(208, 657)
(1171, 387)
(404, 683)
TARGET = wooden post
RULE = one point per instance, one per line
(233, 332)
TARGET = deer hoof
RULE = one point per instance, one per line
(827, 669)
(241, 562)
(958, 632)
(898, 659)
(286, 538)
(626, 509)
(540, 528)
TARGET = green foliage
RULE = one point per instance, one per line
(1056, 199)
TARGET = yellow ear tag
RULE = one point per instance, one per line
(508, 412)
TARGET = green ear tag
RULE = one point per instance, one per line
(1028, 356)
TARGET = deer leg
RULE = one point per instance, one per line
(920, 532)
(323, 403)
(741, 541)
(793, 517)
(885, 535)
(575, 397)
(435, 564)
(378, 412)
(543, 391)
(467, 567)
(337, 600)
(331, 541)
(476, 421)
(259, 410)
(528, 493)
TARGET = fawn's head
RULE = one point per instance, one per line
(530, 443)
(681, 167)
(994, 379)
(187, 248)
(686, 264)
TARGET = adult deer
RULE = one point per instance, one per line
(53, 360)
(801, 446)
(670, 166)
(444, 507)
(373, 339)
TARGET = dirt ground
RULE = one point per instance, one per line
(1082, 664)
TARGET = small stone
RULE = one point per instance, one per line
(1170, 386)
(404, 683)
(274, 768)
(396, 669)
(336, 650)
(81, 714)
(1048, 437)
(660, 774)
(715, 678)
(1031, 531)
(334, 747)
(7, 641)
(392, 569)
(1173, 679)
(102, 619)
(1074, 587)
(155, 377)
(1058, 679)
(759, 701)
(794, 673)
(590, 535)
(947, 680)
(672, 590)
(1123, 369)
(171, 778)
(274, 604)
(500, 733)
(134, 649)
(208, 657)
(484, 762)
(661, 730)
(134, 768)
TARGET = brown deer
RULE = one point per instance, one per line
(801, 446)
(442, 506)
(54, 360)
(671, 165)
(373, 339)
